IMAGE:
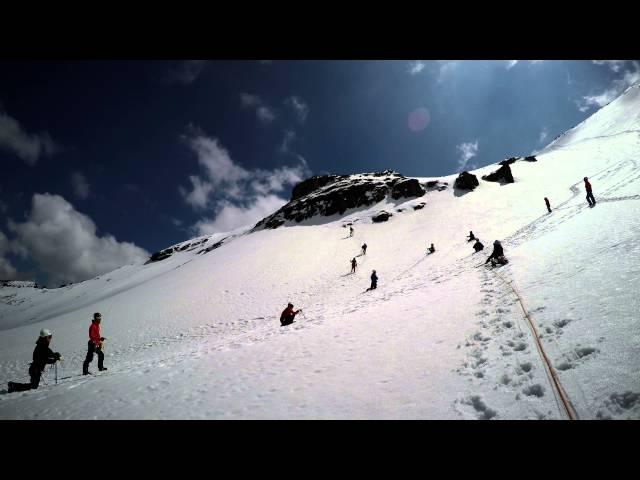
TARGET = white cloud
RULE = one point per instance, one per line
(187, 73)
(249, 100)
(232, 190)
(467, 151)
(289, 136)
(64, 244)
(299, 107)
(229, 217)
(80, 185)
(543, 134)
(511, 64)
(215, 159)
(263, 112)
(416, 67)
(198, 197)
(615, 89)
(446, 70)
(615, 65)
(28, 147)
(7, 271)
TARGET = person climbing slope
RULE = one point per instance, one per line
(546, 200)
(94, 345)
(471, 237)
(374, 281)
(353, 265)
(42, 356)
(587, 187)
(364, 249)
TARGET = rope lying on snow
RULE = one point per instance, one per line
(551, 373)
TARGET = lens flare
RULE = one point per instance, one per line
(418, 119)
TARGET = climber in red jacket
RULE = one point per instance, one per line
(94, 346)
(587, 187)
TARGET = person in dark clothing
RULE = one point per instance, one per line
(587, 186)
(431, 249)
(351, 231)
(471, 237)
(42, 356)
(478, 246)
(364, 249)
(287, 315)
(546, 200)
(497, 256)
(94, 345)
(353, 265)
(374, 281)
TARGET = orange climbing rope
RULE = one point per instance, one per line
(554, 377)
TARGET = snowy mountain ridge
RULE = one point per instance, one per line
(197, 334)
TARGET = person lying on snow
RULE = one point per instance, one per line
(287, 316)
(42, 356)
(497, 256)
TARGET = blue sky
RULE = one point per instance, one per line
(107, 161)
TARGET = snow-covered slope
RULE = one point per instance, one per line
(197, 335)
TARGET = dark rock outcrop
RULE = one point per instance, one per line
(466, 181)
(508, 161)
(503, 175)
(312, 184)
(213, 247)
(336, 194)
(436, 185)
(382, 216)
(160, 255)
(407, 188)
(419, 206)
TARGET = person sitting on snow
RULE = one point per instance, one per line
(471, 237)
(431, 249)
(497, 256)
(287, 315)
(478, 245)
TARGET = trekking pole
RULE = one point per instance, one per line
(56, 373)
